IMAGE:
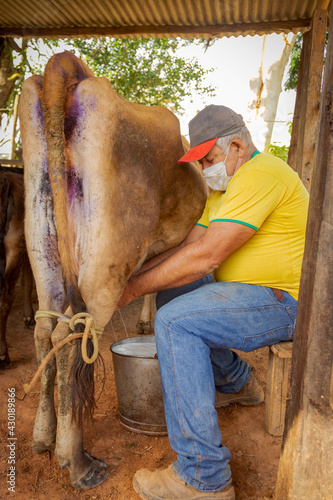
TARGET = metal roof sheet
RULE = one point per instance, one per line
(123, 18)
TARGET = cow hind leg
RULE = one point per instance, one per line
(7, 296)
(4, 312)
(85, 471)
(44, 433)
(41, 240)
(144, 324)
(27, 285)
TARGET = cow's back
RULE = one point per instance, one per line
(135, 150)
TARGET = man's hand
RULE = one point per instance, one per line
(128, 294)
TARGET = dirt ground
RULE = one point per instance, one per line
(255, 454)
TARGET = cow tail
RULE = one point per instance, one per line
(63, 71)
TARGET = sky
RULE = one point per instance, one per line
(236, 62)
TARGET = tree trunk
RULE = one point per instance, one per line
(273, 86)
(268, 91)
(6, 71)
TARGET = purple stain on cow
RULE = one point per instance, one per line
(39, 113)
(74, 112)
(77, 111)
(57, 294)
(74, 184)
(45, 166)
(45, 186)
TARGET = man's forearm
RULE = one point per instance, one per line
(181, 268)
(157, 259)
(192, 262)
(195, 234)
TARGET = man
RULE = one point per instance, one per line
(251, 236)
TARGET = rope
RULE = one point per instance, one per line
(28, 387)
(91, 331)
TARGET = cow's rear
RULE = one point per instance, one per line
(104, 192)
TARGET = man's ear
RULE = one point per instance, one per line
(238, 146)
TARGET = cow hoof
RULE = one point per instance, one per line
(4, 361)
(29, 322)
(94, 477)
(95, 460)
(143, 327)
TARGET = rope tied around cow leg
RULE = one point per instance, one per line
(91, 330)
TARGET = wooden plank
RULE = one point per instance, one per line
(4, 162)
(312, 67)
(305, 468)
(276, 392)
(214, 30)
(283, 350)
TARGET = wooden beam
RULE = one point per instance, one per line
(323, 4)
(4, 162)
(310, 85)
(305, 468)
(114, 31)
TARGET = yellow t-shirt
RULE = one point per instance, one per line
(267, 195)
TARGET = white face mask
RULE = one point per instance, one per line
(216, 176)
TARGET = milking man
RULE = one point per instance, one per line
(233, 283)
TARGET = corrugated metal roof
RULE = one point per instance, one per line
(123, 18)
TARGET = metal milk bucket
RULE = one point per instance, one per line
(138, 384)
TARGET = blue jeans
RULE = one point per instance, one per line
(196, 326)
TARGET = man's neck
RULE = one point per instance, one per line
(247, 156)
(250, 153)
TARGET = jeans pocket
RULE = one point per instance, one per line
(252, 342)
(292, 311)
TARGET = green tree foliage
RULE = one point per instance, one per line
(26, 58)
(295, 58)
(294, 64)
(147, 71)
(279, 151)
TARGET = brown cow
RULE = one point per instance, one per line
(13, 255)
(104, 192)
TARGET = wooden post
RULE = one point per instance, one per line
(277, 387)
(305, 469)
(305, 135)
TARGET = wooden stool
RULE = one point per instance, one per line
(277, 387)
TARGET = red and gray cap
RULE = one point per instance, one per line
(207, 126)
